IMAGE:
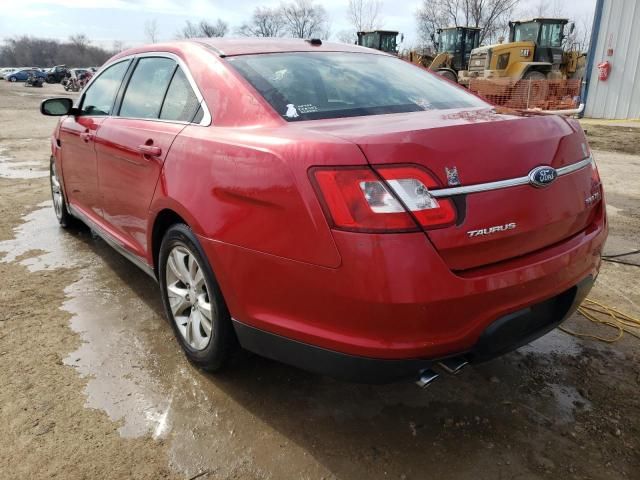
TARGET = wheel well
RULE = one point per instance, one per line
(164, 220)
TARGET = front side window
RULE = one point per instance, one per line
(180, 103)
(309, 86)
(98, 99)
(147, 87)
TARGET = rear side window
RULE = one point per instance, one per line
(99, 97)
(147, 87)
(309, 86)
(180, 103)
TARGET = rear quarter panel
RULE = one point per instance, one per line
(250, 188)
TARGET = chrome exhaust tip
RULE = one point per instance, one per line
(453, 365)
(427, 377)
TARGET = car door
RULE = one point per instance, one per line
(157, 104)
(77, 146)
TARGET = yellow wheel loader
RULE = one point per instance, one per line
(454, 46)
(383, 40)
(534, 52)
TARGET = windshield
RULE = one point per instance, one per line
(309, 86)
(526, 32)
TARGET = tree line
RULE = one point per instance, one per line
(28, 51)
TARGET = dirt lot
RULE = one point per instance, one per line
(93, 384)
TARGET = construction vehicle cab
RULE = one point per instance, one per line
(454, 46)
(534, 52)
(383, 40)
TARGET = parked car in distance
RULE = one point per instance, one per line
(330, 206)
(57, 73)
(6, 71)
(21, 75)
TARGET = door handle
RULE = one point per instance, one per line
(150, 150)
(87, 136)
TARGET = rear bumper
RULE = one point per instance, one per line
(503, 335)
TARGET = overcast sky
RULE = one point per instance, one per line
(105, 21)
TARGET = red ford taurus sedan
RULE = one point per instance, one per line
(330, 206)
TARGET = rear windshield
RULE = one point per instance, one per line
(310, 86)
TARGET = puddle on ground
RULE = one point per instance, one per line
(41, 232)
(260, 419)
(23, 170)
(112, 355)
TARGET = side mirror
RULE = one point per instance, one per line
(56, 107)
(401, 37)
(572, 27)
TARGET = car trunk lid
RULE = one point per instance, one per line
(475, 147)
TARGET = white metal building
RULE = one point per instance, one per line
(615, 39)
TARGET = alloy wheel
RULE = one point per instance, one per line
(56, 193)
(191, 308)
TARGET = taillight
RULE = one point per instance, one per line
(596, 185)
(358, 199)
(411, 184)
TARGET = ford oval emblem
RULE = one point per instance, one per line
(542, 176)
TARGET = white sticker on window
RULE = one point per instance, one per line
(308, 108)
(291, 111)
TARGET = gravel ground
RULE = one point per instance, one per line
(94, 385)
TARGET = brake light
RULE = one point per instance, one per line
(412, 185)
(358, 199)
(596, 185)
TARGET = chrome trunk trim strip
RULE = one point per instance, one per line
(512, 182)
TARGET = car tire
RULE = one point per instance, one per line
(13, 79)
(65, 219)
(193, 302)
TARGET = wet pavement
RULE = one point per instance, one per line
(261, 413)
(9, 168)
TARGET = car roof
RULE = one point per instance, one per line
(248, 46)
(225, 47)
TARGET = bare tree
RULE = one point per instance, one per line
(364, 15)
(190, 30)
(305, 19)
(204, 29)
(580, 38)
(151, 30)
(80, 41)
(265, 22)
(490, 15)
(347, 36)
(544, 8)
(118, 46)
(219, 29)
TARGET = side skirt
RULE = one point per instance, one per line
(113, 242)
